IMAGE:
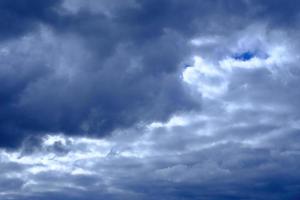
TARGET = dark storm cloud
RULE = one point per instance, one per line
(88, 68)
(129, 73)
(129, 77)
(19, 17)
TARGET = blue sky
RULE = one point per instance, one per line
(150, 99)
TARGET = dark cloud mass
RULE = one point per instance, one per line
(19, 17)
(124, 77)
(149, 99)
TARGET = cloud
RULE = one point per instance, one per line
(19, 18)
(104, 66)
(75, 77)
(150, 100)
(151, 170)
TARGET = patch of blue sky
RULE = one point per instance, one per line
(248, 55)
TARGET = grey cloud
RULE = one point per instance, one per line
(224, 171)
(102, 69)
(120, 84)
(129, 67)
(18, 18)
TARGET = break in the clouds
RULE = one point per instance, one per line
(150, 99)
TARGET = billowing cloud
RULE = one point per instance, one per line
(149, 100)
(79, 74)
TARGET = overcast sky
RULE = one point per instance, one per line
(149, 100)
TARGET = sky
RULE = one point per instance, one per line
(149, 100)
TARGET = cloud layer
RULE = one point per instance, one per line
(149, 100)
